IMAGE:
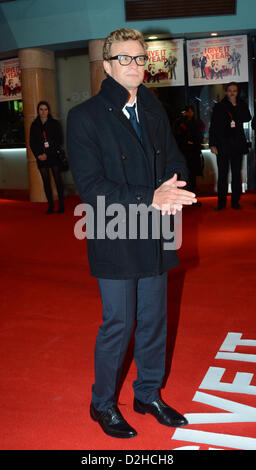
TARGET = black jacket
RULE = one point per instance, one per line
(221, 135)
(189, 137)
(107, 159)
(54, 137)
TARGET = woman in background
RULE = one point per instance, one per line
(45, 139)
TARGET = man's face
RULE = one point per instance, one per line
(129, 76)
(232, 92)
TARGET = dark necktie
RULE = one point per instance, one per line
(133, 120)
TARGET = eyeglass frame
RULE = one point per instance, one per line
(132, 57)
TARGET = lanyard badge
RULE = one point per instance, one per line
(233, 123)
(46, 143)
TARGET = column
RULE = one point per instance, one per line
(38, 79)
(96, 64)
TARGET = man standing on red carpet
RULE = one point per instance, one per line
(228, 142)
(121, 150)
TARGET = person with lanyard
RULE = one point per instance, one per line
(121, 148)
(228, 142)
(45, 140)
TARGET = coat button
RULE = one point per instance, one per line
(138, 197)
(159, 180)
(124, 157)
(110, 109)
(158, 152)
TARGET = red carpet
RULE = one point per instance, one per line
(51, 310)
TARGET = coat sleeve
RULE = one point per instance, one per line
(34, 141)
(245, 115)
(88, 171)
(213, 128)
(197, 136)
(58, 135)
(176, 162)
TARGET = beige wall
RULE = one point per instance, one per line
(73, 87)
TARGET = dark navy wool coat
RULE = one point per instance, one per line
(108, 159)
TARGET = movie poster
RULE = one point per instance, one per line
(10, 81)
(217, 60)
(165, 66)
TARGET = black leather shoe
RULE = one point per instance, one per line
(61, 210)
(50, 210)
(219, 207)
(112, 422)
(162, 412)
(236, 206)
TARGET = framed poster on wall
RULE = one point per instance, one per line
(10, 80)
(165, 66)
(212, 61)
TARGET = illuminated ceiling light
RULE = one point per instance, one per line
(153, 37)
(214, 34)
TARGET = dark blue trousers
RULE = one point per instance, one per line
(124, 301)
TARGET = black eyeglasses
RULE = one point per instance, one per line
(127, 59)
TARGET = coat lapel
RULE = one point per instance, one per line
(126, 122)
(149, 122)
(116, 95)
(143, 145)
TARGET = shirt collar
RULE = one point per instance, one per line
(131, 104)
(127, 105)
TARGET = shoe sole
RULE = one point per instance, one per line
(138, 409)
(109, 433)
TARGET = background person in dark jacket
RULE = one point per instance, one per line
(45, 139)
(188, 136)
(121, 147)
(227, 141)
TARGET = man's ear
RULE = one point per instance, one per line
(107, 67)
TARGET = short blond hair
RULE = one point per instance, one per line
(122, 34)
